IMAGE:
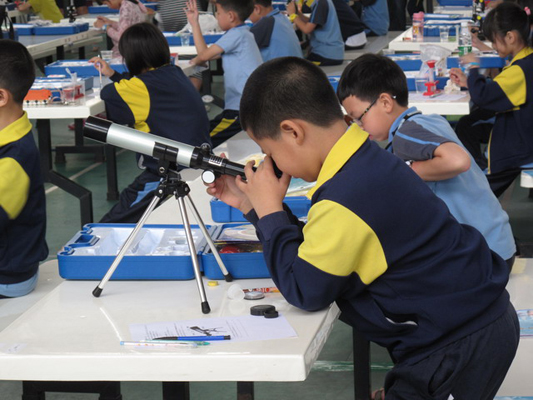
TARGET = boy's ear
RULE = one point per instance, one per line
(233, 16)
(387, 102)
(4, 97)
(293, 129)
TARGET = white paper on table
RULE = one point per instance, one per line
(241, 329)
(441, 97)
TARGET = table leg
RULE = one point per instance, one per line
(81, 53)
(361, 367)
(176, 391)
(49, 175)
(111, 166)
(429, 6)
(60, 51)
(245, 391)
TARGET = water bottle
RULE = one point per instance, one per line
(465, 39)
(418, 27)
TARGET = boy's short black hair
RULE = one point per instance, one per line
(143, 46)
(264, 3)
(369, 75)
(287, 88)
(243, 8)
(507, 17)
(17, 72)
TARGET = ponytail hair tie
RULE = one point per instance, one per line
(527, 10)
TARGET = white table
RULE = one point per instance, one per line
(72, 336)
(436, 105)
(400, 44)
(518, 381)
(46, 45)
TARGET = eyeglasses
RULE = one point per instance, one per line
(359, 121)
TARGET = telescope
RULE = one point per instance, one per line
(161, 148)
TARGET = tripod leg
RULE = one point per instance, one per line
(98, 290)
(227, 275)
(192, 249)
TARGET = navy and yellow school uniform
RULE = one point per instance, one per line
(275, 36)
(22, 206)
(162, 102)
(327, 46)
(240, 58)
(382, 246)
(510, 95)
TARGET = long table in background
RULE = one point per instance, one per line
(40, 46)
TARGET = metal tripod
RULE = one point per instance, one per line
(172, 185)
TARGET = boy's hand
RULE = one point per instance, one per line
(469, 58)
(192, 12)
(291, 8)
(458, 77)
(263, 189)
(226, 190)
(102, 66)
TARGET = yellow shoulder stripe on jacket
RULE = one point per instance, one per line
(14, 187)
(513, 83)
(135, 94)
(338, 242)
(15, 131)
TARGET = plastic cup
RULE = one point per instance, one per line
(235, 292)
(444, 32)
(185, 38)
(420, 84)
(69, 93)
(107, 55)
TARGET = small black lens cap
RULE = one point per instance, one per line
(261, 309)
(271, 314)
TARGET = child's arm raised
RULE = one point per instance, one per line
(204, 53)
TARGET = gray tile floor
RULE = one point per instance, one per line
(332, 377)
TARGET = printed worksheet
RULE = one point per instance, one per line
(241, 329)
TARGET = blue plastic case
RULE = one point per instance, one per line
(81, 67)
(24, 29)
(407, 62)
(334, 80)
(61, 29)
(239, 265)
(465, 3)
(485, 61)
(159, 252)
(174, 40)
(221, 212)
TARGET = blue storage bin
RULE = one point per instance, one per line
(102, 10)
(221, 212)
(60, 29)
(407, 62)
(484, 62)
(159, 252)
(81, 67)
(240, 265)
(451, 17)
(279, 5)
(434, 29)
(411, 84)
(464, 3)
(5, 34)
(57, 81)
(24, 29)
(174, 40)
